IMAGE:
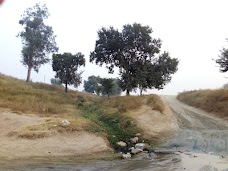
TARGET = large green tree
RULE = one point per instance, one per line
(136, 54)
(66, 65)
(38, 39)
(223, 60)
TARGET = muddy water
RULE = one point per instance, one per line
(199, 132)
(156, 163)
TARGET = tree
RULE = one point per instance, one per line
(92, 85)
(107, 85)
(155, 75)
(135, 53)
(56, 81)
(66, 65)
(223, 60)
(38, 39)
(115, 89)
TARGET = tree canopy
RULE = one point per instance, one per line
(136, 54)
(55, 81)
(92, 85)
(66, 65)
(38, 39)
(223, 60)
(107, 84)
(98, 85)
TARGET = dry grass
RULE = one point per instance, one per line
(128, 103)
(37, 98)
(214, 101)
(84, 111)
(50, 127)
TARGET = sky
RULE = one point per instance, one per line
(194, 31)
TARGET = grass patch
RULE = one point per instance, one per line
(109, 117)
(124, 104)
(214, 101)
(115, 126)
(37, 98)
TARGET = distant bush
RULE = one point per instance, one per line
(225, 86)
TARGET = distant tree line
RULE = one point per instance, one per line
(102, 86)
(138, 56)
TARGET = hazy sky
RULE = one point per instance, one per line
(194, 31)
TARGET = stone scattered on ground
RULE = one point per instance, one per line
(126, 156)
(136, 151)
(134, 140)
(121, 144)
(64, 123)
(140, 146)
(138, 134)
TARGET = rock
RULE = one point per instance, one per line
(136, 151)
(121, 144)
(126, 156)
(134, 140)
(140, 146)
(131, 148)
(165, 151)
(153, 155)
(64, 123)
(138, 134)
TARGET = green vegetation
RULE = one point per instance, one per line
(100, 85)
(136, 54)
(222, 61)
(112, 117)
(38, 39)
(66, 65)
(214, 101)
(115, 126)
(55, 81)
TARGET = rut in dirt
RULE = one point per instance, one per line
(198, 130)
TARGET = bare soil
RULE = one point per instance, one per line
(156, 125)
(11, 147)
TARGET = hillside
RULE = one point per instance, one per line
(30, 116)
(213, 101)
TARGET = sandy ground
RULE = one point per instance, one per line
(203, 162)
(79, 143)
(156, 125)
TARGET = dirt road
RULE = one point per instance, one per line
(199, 131)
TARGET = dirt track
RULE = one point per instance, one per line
(199, 131)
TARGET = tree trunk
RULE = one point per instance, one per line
(66, 87)
(141, 90)
(29, 73)
(127, 93)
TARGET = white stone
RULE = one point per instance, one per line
(126, 156)
(136, 151)
(64, 123)
(121, 144)
(140, 146)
